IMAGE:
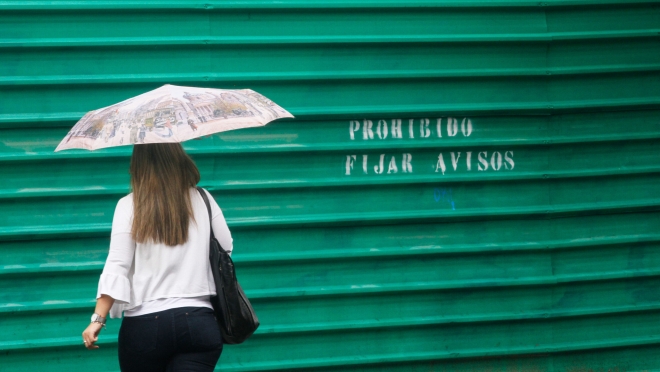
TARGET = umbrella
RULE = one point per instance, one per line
(171, 114)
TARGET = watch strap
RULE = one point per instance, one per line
(96, 318)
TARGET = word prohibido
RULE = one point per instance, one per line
(414, 128)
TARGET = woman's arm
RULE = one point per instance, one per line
(114, 285)
(103, 305)
(91, 333)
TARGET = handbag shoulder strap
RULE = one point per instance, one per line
(208, 209)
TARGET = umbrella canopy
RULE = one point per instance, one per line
(171, 114)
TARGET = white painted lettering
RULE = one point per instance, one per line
(454, 159)
(381, 129)
(466, 128)
(509, 160)
(349, 163)
(406, 166)
(379, 168)
(468, 159)
(496, 160)
(424, 131)
(452, 127)
(440, 165)
(483, 163)
(392, 167)
(367, 131)
(396, 128)
(364, 163)
(353, 127)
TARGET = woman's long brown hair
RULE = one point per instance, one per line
(161, 177)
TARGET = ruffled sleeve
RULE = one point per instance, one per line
(115, 279)
(115, 286)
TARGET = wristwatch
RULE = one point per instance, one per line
(96, 318)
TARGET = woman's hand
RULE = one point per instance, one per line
(91, 335)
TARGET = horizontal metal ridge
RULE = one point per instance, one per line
(364, 360)
(64, 267)
(481, 108)
(417, 215)
(438, 320)
(46, 305)
(454, 249)
(318, 75)
(18, 120)
(366, 217)
(125, 152)
(368, 324)
(449, 284)
(342, 362)
(548, 211)
(315, 40)
(364, 253)
(32, 232)
(67, 119)
(358, 290)
(53, 342)
(334, 182)
(296, 4)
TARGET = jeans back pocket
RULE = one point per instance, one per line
(138, 335)
(204, 330)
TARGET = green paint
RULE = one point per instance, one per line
(521, 233)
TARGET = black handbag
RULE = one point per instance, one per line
(231, 306)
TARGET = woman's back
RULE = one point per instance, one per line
(160, 271)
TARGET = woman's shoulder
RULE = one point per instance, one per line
(214, 203)
(195, 190)
(126, 201)
(124, 208)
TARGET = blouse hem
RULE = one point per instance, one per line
(117, 309)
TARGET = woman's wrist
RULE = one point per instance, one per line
(97, 318)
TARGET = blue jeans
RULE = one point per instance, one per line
(179, 339)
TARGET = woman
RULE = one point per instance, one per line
(157, 272)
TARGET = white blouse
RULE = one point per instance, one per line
(155, 275)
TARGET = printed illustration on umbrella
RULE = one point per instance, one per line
(171, 114)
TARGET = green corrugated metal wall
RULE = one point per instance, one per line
(467, 185)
